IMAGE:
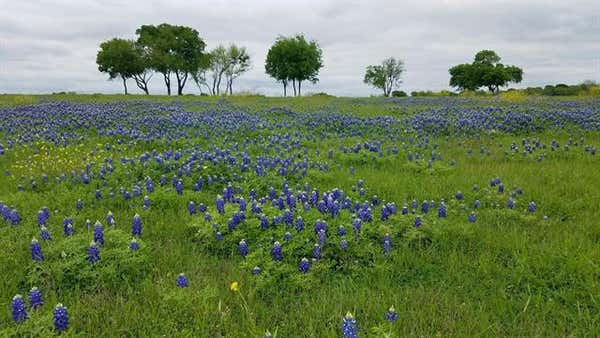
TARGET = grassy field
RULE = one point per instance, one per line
(511, 272)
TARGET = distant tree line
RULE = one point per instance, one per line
(177, 53)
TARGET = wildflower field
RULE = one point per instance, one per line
(307, 217)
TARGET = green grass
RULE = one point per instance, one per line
(508, 274)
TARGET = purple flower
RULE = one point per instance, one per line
(276, 252)
(110, 219)
(93, 254)
(191, 208)
(79, 204)
(243, 248)
(19, 312)
(14, 217)
(511, 203)
(316, 252)
(418, 222)
(36, 251)
(321, 237)
(442, 210)
(299, 224)
(182, 281)
(391, 315)
(387, 244)
(35, 298)
(146, 204)
(459, 195)
(44, 234)
(61, 318)
(532, 207)
(287, 236)
(220, 205)
(304, 265)
(136, 226)
(425, 207)
(341, 230)
(344, 244)
(98, 233)
(219, 236)
(134, 245)
(472, 217)
(476, 204)
(349, 328)
(256, 270)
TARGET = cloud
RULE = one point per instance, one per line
(48, 46)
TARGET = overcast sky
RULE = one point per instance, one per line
(50, 46)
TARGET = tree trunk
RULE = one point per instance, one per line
(231, 86)
(124, 84)
(167, 83)
(284, 89)
(299, 88)
(294, 85)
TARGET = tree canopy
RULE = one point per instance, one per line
(294, 59)
(385, 76)
(172, 49)
(120, 58)
(485, 71)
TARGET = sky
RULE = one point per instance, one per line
(51, 46)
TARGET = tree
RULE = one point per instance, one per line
(239, 63)
(385, 76)
(485, 71)
(172, 50)
(294, 59)
(121, 58)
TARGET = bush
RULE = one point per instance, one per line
(399, 93)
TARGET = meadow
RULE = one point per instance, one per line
(253, 216)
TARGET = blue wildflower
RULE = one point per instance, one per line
(98, 233)
(277, 252)
(391, 315)
(45, 234)
(36, 251)
(35, 298)
(182, 281)
(191, 208)
(349, 328)
(472, 217)
(459, 195)
(134, 245)
(304, 265)
(442, 210)
(136, 226)
(243, 248)
(344, 244)
(93, 254)
(418, 222)
(316, 252)
(61, 318)
(19, 312)
(387, 244)
(476, 204)
(532, 207)
(256, 270)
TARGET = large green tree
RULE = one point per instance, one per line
(172, 49)
(123, 59)
(485, 71)
(294, 59)
(385, 76)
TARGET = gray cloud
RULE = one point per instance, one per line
(48, 46)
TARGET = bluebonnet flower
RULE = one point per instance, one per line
(93, 254)
(391, 315)
(442, 210)
(15, 219)
(321, 237)
(277, 252)
(287, 236)
(341, 230)
(356, 224)
(320, 225)
(146, 203)
(98, 233)
(36, 251)
(110, 219)
(414, 204)
(510, 204)
(202, 207)
(41, 218)
(349, 327)
(220, 204)
(191, 208)
(425, 207)
(475, 187)
(459, 195)
(532, 207)
(418, 222)
(476, 204)
(316, 252)
(19, 312)
(405, 210)
(134, 245)
(256, 270)
(98, 194)
(299, 224)
(61, 318)
(243, 248)
(387, 244)
(182, 281)
(179, 187)
(44, 234)
(472, 217)
(344, 244)
(136, 226)
(500, 188)
(79, 204)
(304, 265)
(35, 298)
